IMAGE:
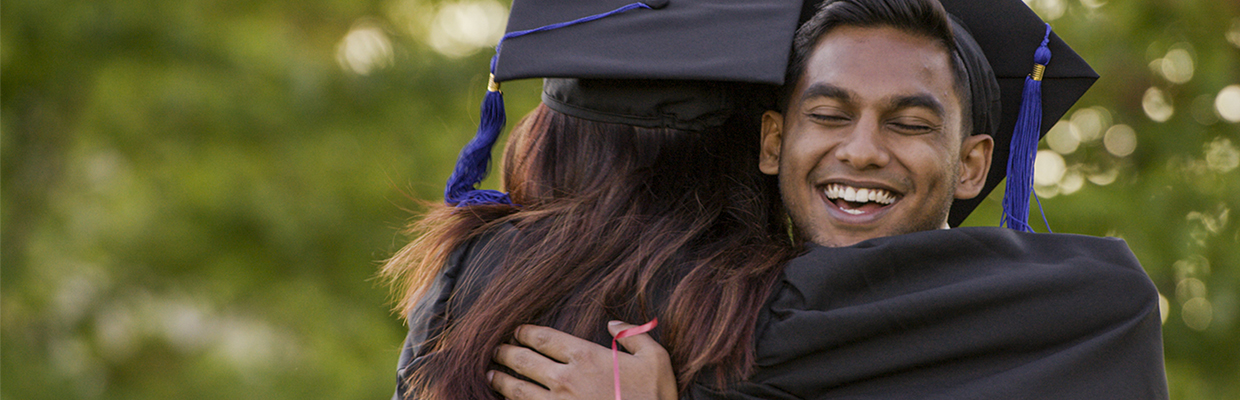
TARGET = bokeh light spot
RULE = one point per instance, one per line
(1156, 105)
(1071, 182)
(1177, 65)
(1233, 34)
(1046, 192)
(1049, 10)
(1105, 177)
(462, 28)
(364, 49)
(1228, 103)
(1189, 267)
(1063, 138)
(1221, 155)
(1049, 168)
(1189, 288)
(1197, 313)
(1120, 140)
(1089, 123)
(1164, 307)
(1094, 4)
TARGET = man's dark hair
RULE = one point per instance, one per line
(925, 18)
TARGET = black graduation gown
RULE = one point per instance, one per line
(460, 282)
(968, 313)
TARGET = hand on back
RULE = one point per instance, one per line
(569, 367)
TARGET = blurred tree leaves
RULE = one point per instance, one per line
(196, 194)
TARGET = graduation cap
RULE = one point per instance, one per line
(684, 64)
(1035, 88)
(1007, 38)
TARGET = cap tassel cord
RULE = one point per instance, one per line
(475, 159)
(1024, 145)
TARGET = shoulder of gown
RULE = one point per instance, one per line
(967, 313)
(460, 281)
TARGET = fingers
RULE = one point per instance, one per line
(652, 358)
(515, 389)
(527, 362)
(558, 345)
(636, 344)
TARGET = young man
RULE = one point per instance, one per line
(884, 129)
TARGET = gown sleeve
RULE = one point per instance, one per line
(970, 313)
(464, 275)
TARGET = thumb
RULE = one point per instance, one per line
(635, 339)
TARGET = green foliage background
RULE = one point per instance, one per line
(197, 194)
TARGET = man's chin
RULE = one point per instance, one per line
(842, 236)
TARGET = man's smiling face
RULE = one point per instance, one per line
(871, 144)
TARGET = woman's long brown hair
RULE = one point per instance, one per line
(612, 217)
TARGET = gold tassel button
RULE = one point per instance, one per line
(493, 86)
(1038, 70)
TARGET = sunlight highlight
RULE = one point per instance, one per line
(1198, 313)
(1091, 122)
(1048, 169)
(462, 28)
(1120, 140)
(366, 48)
(1156, 105)
(1049, 10)
(1227, 103)
(1233, 34)
(1164, 308)
(1063, 138)
(1177, 65)
(1221, 155)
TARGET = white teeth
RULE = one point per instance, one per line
(848, 193)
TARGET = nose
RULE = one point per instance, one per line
(863, 148)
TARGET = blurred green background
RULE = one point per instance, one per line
(197, 194)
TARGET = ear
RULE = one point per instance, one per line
(974, 165)
(772, 142)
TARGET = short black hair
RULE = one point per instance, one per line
(925, 18)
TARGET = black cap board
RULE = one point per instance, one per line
(683, 64)
(663, 65)
(718, 40)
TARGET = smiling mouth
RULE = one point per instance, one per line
(857, 201)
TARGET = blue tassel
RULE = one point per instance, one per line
(1024, 147)
(475, 158)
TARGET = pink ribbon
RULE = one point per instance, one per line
(615, 360)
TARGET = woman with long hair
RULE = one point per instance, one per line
(633, 194)
(615, 222)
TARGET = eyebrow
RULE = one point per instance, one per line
(917, 101)
(827, 90)
(920, 100)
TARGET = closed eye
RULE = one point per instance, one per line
(828, 118)
(911, 129)
(915, 126)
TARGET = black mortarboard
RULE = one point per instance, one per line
(682, 64)
(1008, 35)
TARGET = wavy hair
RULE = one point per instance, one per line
(613, 217)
